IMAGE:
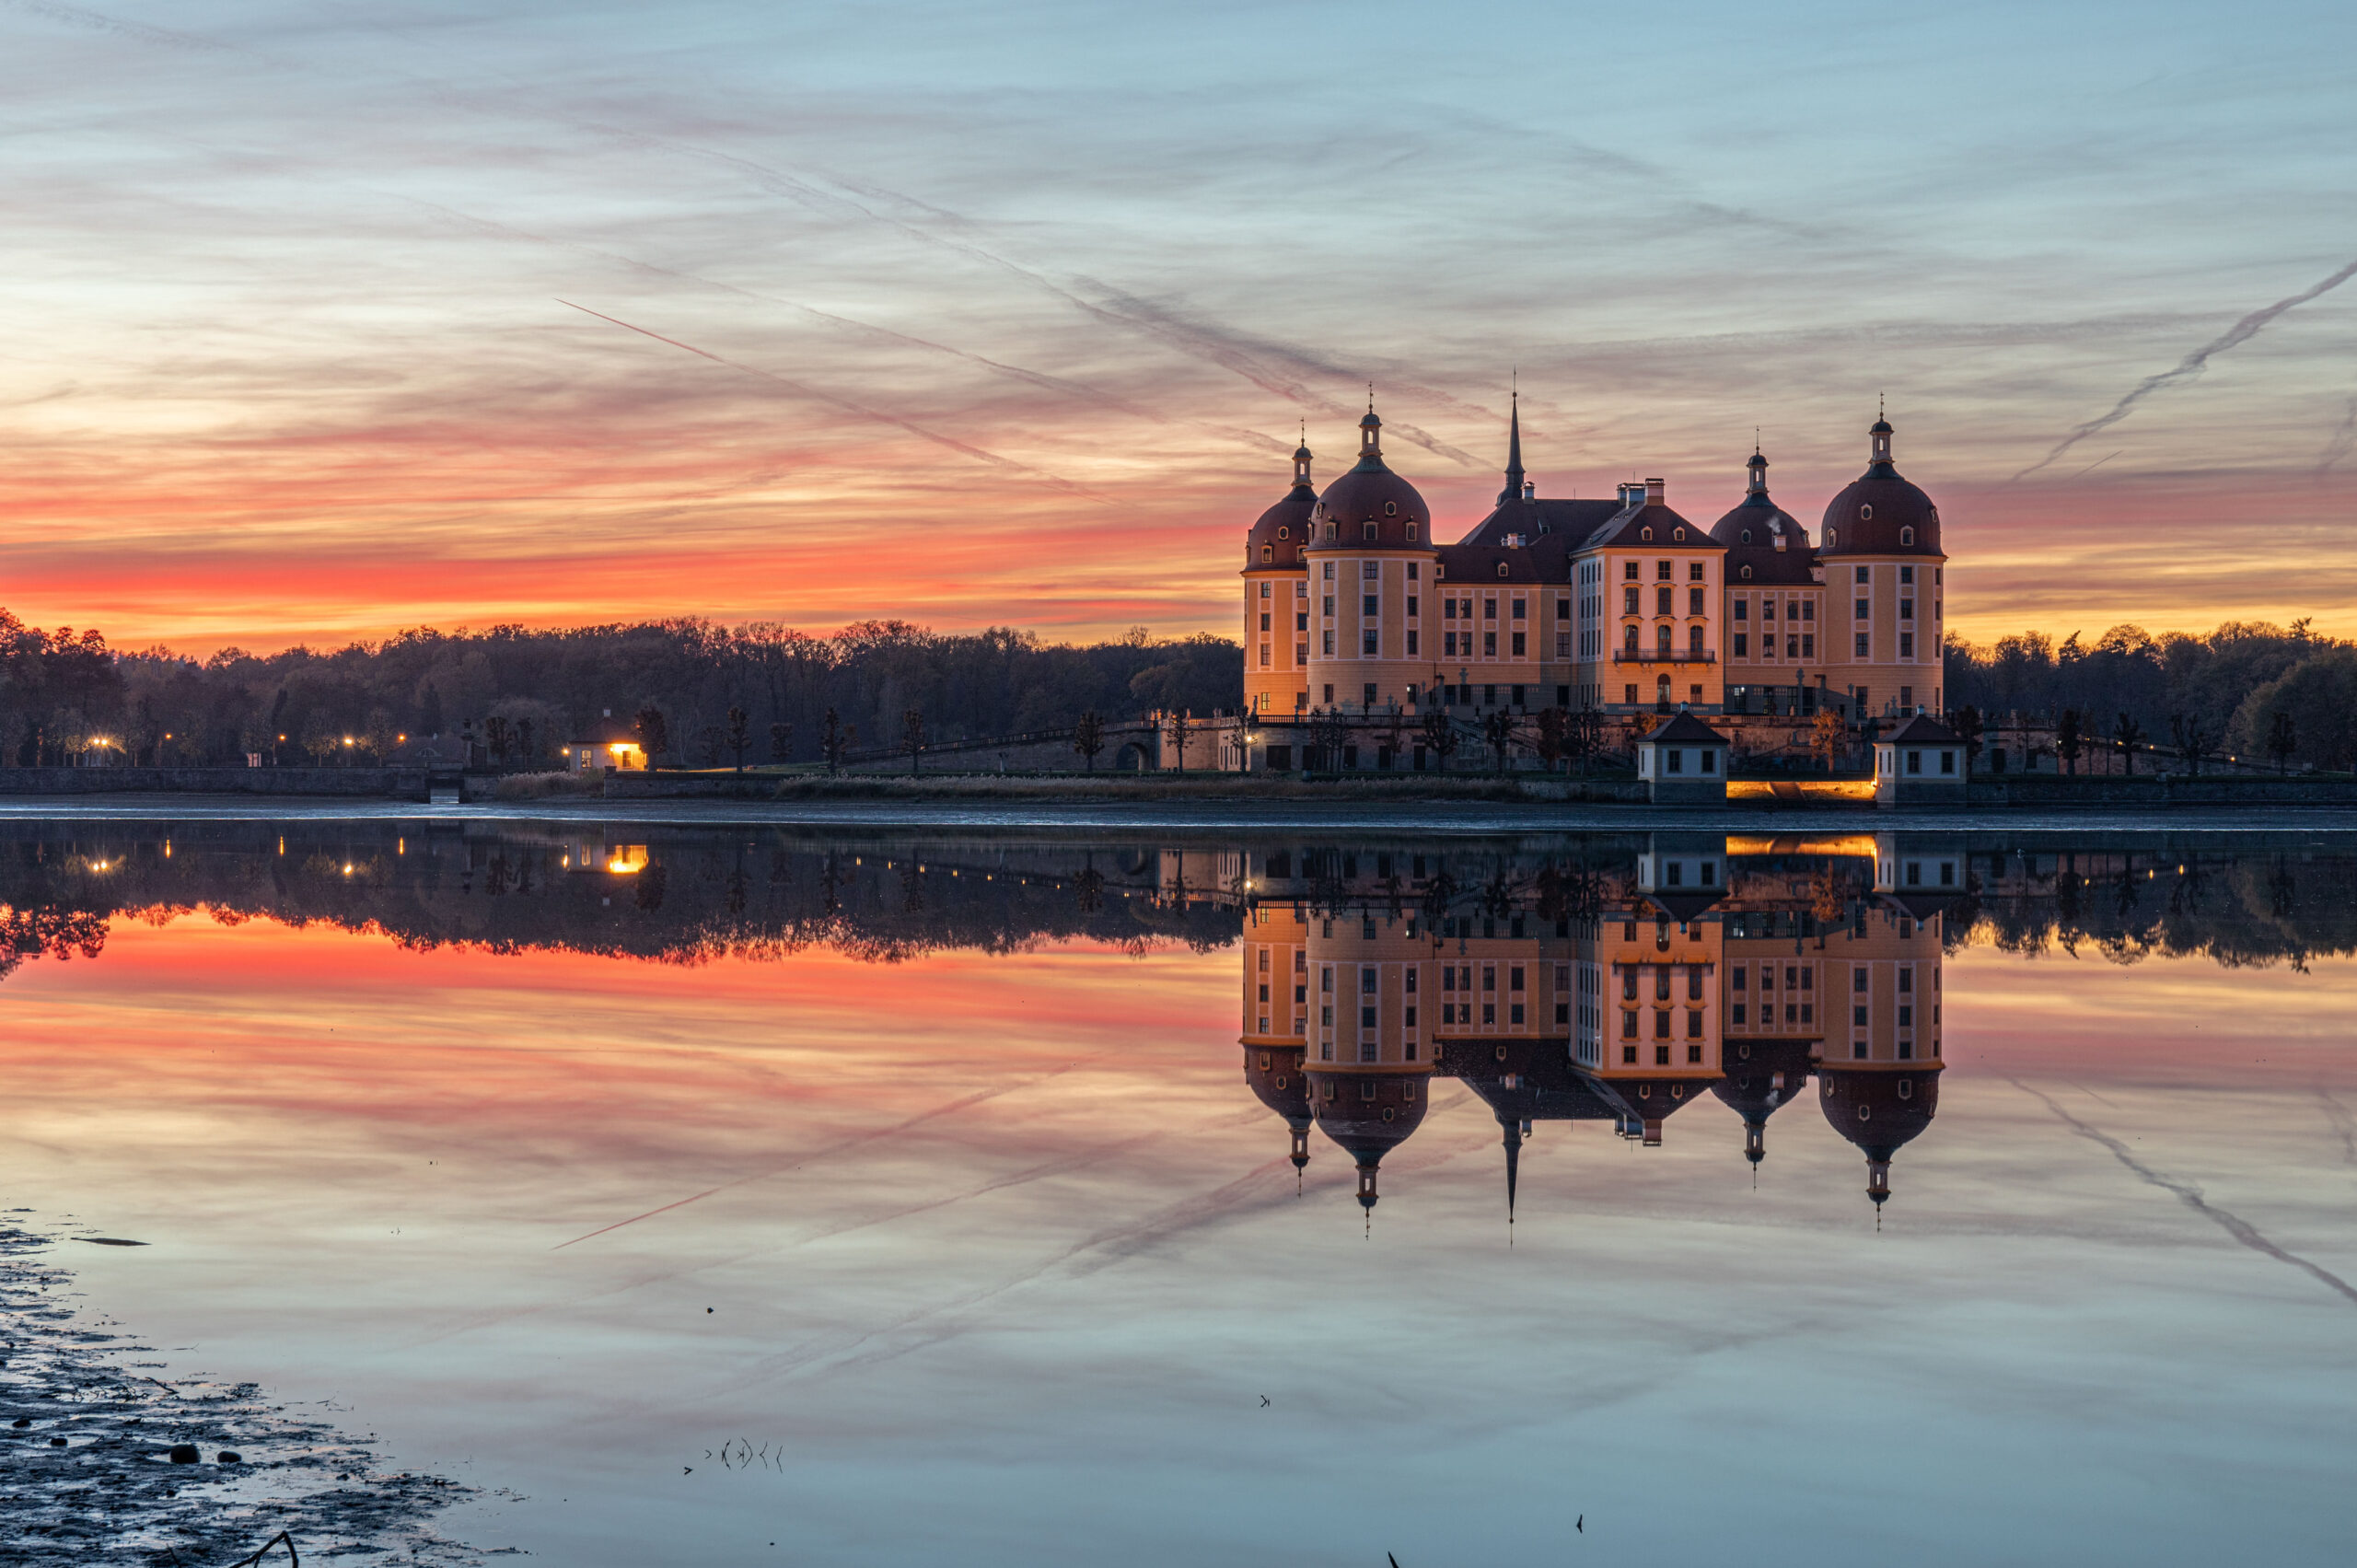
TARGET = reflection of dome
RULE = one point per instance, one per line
(1368, 1115)
(1879, 1109)
(1881, 513)
(1276, 539)
(1762, 1078)
(1277, 1081)
(1372, 493)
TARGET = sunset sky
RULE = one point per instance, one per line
(323, 319)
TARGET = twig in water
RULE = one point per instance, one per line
(282, 1538)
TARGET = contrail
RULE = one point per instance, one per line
(853, 1141)
(847, 405)
(2191, 365)
(2190, 1196)
(2343, 439)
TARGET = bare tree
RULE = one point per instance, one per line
(1089, 738)
(739, 736)
(912, 736)
(1440, 735)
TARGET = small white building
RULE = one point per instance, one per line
(1919, 763)
(609, 743)
(1684, 762)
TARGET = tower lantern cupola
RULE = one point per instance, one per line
(1301, 466)
(1757, 484)
(1370, 436)
(1878, 461)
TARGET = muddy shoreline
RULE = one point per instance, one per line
(89, 1421)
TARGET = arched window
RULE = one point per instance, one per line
(1411, 533)
(1906, 536)
(1694, 638)
(1832, 538)
(1747, 573)
(1268, 553)
(1648, 534)
(1661, 693)
(1629, 638)
(1501, 568)
(1330, 532)
(1677, 534)
(1662, 635)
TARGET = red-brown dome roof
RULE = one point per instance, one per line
(1281, 1086)
(1368, 1128)
(1277, 537)
(1752, 1067)
(1880, 1108)
(1881, 513)
(1371, 493)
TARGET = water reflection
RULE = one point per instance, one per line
(1612, 978)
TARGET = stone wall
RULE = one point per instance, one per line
(2169, 789)
(398, 784)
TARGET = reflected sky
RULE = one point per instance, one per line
(926, 1172)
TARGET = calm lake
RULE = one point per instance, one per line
(735, 1196)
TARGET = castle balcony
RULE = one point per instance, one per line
(1663, 656)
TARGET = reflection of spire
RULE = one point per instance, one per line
(1513, 1167)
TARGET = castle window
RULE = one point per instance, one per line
(1647, 534)
(1281, 533)
(1411, 533)
(1677, 534)
(1629, 571)
(1747, 573)
(1865, 514)
(1906, 536)
(1746, 536)
(1370, 533)
(1267, 553)
(1501, 568)
(1391, 509)
(1370, 570)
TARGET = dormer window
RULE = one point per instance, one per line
(1281, 534)
(1330, 533)
(1411, 533)
(1501, 568)
(1648, 534)
(1747, 573)
(1832, 538)
(1391, 509)
(1370, 533)
(1268, 553)
(1679, 534)
(1865, 514)
(1906, 536)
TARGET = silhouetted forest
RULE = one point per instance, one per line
(60, 690)
(2227, 686)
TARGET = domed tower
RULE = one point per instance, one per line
(1275, 1002)
(1368, 1032)
(1884, 575)
(1371, 556)
(1879, 1109)
(1762, 1078)
(1276, 604)
(1775, 605)
(1878, 1067)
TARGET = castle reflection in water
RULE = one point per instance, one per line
(1741, 968)
(1613, 977)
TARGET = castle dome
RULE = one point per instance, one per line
(1367, 1115)
(1879, 1109)
(1370, 504)
(1276, 539)
(1274, 1075)
(1880, 513)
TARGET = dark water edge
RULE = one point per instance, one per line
(111, 1493)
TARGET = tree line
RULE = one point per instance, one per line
(2248, 688)
(523, 693)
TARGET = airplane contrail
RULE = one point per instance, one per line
(846, 404)
(2191, 365)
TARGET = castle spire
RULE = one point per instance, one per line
(1512, 492)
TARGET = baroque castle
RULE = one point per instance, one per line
(1357, 617)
